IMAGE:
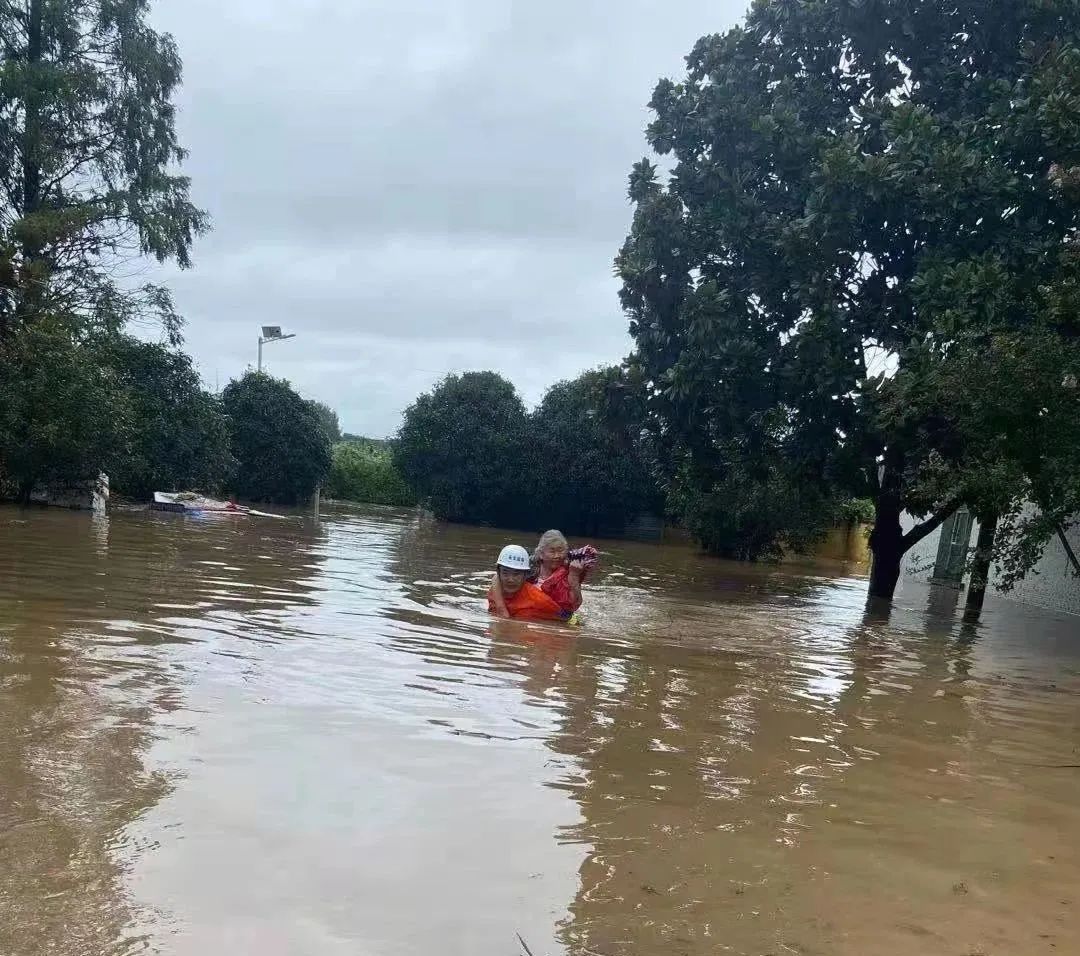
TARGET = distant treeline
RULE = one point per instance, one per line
(379, 444)
(472, 452)
(87, 132)
(137, 411)
(586, 461)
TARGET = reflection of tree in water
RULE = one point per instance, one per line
(438, 577)
(677, 759)
(700, 771)
(673, 746)
(901, 660)
(72, 734)
(723, 741)
(88, 604)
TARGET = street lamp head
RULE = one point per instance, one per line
(271, 333)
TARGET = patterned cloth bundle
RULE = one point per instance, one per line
(587, 555)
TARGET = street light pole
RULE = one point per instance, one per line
(271, 333)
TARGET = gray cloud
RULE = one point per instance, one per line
(415, 187)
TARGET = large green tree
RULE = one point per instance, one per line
(88, 161)
(63, 412)
(462, 448)
(88, 178)
(1007, 418)
(860, 190)
(282, 450)
(588, 475)
(177, 436)
(329, 419)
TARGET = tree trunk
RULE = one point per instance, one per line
(32, 278)
(887, 538)
(1069, 553)
(980, 565)
(26, 488)
(886, 543)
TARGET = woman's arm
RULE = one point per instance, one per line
(496, 602)
(573, 579)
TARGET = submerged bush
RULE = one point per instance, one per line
(365, 473)
(280, 445)
(462, 447)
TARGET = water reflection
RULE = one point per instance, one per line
(729, 807)
(74, 728)
(717, 749)
(288, 737)
(86, 694)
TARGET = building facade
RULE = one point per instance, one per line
(941, 558)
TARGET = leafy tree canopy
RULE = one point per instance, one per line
(365, 473)
(88, 157)
(860, 192)
(588, 476)
(329, 419)
(63, 413)
(281, 449)
(470, 449)
(178, 435)
(461, 447)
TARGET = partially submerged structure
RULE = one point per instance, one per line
(942, 558)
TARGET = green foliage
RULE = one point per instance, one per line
(738, 496)
(588, 476)
(748, 519)
(1013, 410)
(329, 419)
(380, 444)
(374, 445)
(470, 450)
(88, 153)
(72, 408)
(178, 436)
(462, 449)
(365, 473)
(88, 178)
(863, 195)
(62, 410)
(281, 448)
(136, 410)
(854, 511)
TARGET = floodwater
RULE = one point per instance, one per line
(289, 737)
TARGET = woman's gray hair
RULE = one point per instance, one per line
(547, 539)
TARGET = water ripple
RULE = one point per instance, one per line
(327, 705)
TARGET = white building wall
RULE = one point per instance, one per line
(919, 561)
(1050, 584)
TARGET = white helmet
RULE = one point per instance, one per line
(514, 557)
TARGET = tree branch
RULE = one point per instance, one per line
(930, 525)
(1068, 548)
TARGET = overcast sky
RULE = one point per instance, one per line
(415, 187)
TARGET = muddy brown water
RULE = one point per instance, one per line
(288, 737)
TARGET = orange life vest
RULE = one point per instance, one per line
(530, 603)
